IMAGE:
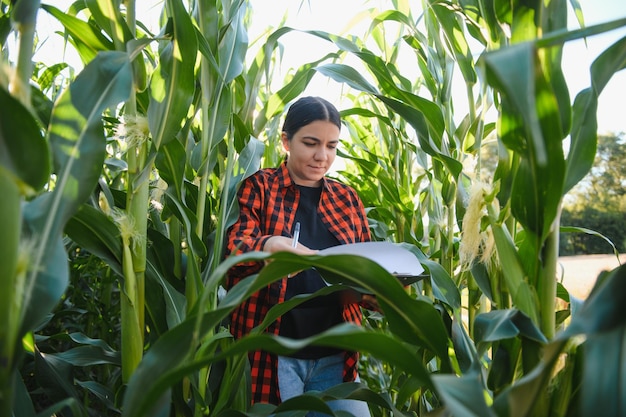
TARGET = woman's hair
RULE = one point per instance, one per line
(307, 110)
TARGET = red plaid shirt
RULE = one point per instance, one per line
(268, 201)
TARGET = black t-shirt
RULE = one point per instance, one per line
(320, 313)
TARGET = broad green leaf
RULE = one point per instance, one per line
(87, 40)
(45, 287)
(552, 67)
(574, 229)
(188, 218)
(394, 16)
(23, 151)
(88, 356)
(602, 311)
(102, 392)
(173, 82)
(342, 43)
(78, 144)
(600, 320)
(463, 396)
(169, 368)
(537, 187)
(456, 41)
(348, 75)
(109, 19)
(305, 402)
(583, 138)
(514, 274)
(512, 71)
(505, 324)
(444, 287)
(610, 61)
(22, 402)
(277, 101)
(233, 47)
(483, 279)
(584, 131)
(406, 316)
(171, 163)
(422, 123)
(55, 375)
(76, 133)
(97, 233)
(167, 304)
(248, 163)
(11, 279)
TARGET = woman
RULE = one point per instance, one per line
(271, 203)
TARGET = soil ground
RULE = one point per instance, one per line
(580, 272)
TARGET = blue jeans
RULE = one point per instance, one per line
(297, 376)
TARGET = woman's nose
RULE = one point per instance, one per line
(321, 154)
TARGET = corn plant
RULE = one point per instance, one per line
(136, 161)
(521, 215)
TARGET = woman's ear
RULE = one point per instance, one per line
(285, 140)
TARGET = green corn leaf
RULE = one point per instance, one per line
(512, 71)
(97, 233)
(109, 19)
(584, 130)
(454, 36)
(189, 219)
(23, 405)
(406, 316)
(173, 82)
(87, 40)
(346, 74)
(601, 321)
(102, 392)
(456, 392)
(574, 229)
(277, 101)
(514, 274)
(504, 324)
(168, 368)
(248, 163)
(23, 151)
(171, 162)
(233, 47)
(78, 144)
(11, 277)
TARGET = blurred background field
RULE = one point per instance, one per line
(581, 271)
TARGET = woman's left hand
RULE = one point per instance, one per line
(370, 302)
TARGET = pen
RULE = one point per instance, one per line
(296, 235)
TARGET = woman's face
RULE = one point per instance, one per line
(312, 150)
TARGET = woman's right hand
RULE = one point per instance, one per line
(285, 244)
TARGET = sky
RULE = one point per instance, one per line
(338, 17)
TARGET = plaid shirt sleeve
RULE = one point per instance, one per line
(246, 235)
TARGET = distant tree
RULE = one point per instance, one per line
(604, 187)
(598, 202)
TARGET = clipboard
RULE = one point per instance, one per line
(397, 260)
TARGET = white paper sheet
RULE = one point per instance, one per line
(394, 258)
